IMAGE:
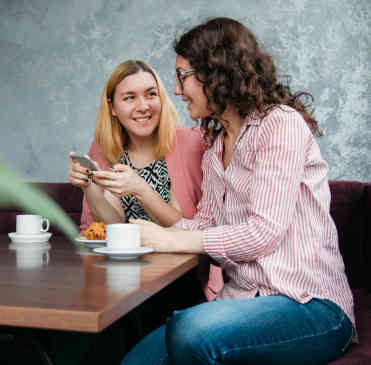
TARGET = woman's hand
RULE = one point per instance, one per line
(154, 236)
(78, 175)
(120, 182)
(169, 239)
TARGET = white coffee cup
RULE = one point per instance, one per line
(31, 224)
(121, 236)
(31, 258)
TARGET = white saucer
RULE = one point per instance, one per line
(30, 238)
(29, 246)
(86, 241)
(127, 254)
(86, 251)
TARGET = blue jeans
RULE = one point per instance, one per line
(261, 330)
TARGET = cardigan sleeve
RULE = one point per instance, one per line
(96, 153)
(184, 166)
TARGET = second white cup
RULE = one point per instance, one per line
(121, 236)
(31, 224)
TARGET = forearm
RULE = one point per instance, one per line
(189, 241)
(100, 207)
(181, 241)
(157, 209)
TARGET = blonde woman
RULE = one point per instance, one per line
(156, 163)
(136, 133)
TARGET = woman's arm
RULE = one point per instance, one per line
(99, 204)
(169, 239)
(103, 206)
(157, 209)
(125, 181)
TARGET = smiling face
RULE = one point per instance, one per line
(137, 105)
(191, 91)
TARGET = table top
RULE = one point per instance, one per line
(67, 286)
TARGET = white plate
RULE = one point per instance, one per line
(85, 240)
(30, 238)
(130, 253)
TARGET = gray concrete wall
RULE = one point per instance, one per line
(56, 55)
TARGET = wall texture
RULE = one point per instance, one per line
(56, 55)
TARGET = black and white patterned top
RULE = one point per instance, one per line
(156, 175)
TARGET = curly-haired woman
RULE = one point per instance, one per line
(264, 217)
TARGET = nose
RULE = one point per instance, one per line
(142, 104)
(178, 89)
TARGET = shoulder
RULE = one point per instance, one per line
(284, 119)
(283, 128)
(95, 148)
(188, 147)
(284, 113)
(188, 137)
(189, 132)
(97, 154)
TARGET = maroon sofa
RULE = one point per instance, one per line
(351, 210)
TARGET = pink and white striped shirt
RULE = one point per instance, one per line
(265, 218)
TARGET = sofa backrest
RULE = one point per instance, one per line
(66, 195)
(349, 211)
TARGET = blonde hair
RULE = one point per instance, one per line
(111, 135)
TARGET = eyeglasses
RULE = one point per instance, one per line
(182, 75)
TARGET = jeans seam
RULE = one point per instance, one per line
(292, 339)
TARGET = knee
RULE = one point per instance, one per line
(187, 338)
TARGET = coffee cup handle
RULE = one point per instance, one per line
(46, 221)
(46, 257)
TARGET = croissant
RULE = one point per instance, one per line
(96, 231)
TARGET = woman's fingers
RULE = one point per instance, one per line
(112, 186)
(79, 179)
(106, 183)
(140, 221)
(121, 168)
(105, 175)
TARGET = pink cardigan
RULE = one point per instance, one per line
(184, 167)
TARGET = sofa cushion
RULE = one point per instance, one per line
(360, 353)
(348, 211)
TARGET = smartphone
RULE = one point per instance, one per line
(86, 161)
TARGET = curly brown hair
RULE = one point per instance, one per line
(236, 71)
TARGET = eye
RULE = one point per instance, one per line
(152, 94)
(128, 98)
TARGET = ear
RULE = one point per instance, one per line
(111, 107)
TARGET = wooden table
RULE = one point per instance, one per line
(78, 290)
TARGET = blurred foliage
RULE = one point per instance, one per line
(15, 192)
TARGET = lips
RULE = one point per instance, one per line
(143, 119)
